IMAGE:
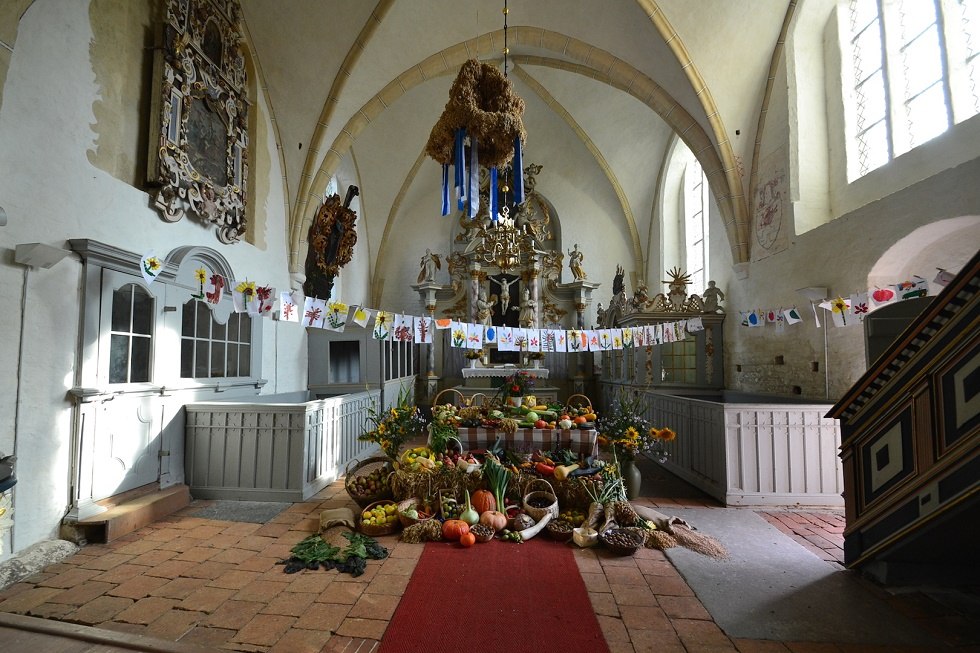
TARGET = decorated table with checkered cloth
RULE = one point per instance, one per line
(581, 441)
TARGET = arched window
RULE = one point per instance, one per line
(695, 225)
(912, 72)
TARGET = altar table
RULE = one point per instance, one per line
(580, 441)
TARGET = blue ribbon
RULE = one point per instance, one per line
(460, 169)
(473, 194)
(518, 172)
(445, 189)
(493, 194)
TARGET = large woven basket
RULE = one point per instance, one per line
(549, 498)
(373, 529)
(364, 467)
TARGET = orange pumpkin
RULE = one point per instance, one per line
(467, 539)
(453, 529)
(580, 419)
(482, 501)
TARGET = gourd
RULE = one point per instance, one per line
(495, 520)
(483, 501)
(469, 515)
(528, 533)
(562, 471)
(453, 529)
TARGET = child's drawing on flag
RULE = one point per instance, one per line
(457, 334)
(382, 326)
(265, 295)
(423, 330)
(288, 310)
(215, 289)
(313, 312)
(336, 319)
(404, 328)
(860, 306)
(505, 338)
(201, 276)
(151, 267)
(793, 315)
(361, 316)
(474, 336)
(533, 339)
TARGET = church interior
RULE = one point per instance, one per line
(752, 227)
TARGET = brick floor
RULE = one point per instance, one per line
(217, 584)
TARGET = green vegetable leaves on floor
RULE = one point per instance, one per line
(313, 553)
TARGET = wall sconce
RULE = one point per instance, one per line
(39, 255)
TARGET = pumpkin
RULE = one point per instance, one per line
(482, 501)
(467, 539)
(495, 520)
(453, 529)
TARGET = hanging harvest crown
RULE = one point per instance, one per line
(483, 108)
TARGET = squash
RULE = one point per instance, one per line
(495, 520)
(483, 501)
(467, 539)
(453, 529)
(562, 471)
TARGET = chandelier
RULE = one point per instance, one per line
(502, 244)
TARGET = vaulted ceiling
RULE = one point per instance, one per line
(356, 86)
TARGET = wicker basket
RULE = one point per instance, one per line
(587, 403)
(367, 466)
(621, 549)
(549, 496)
(453, 391)
(560, 531)
(409, 521)
(375, 530)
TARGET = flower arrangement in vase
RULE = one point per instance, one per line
(393, 426)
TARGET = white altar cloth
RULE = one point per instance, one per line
(482, 372)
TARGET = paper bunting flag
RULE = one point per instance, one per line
(860, 306)
(404, 328)
(680, 330)
(336, 317)
(266, 296)
(423, 330)
(533, 339)
(443, 322)
(793, 315)
(695, 324)
(474, 336)
(548, 340)
(288, 310)
(593, 343)
(616, 336)
(669, 334)
(771, 316)
(490, 334)
(575, 341)
(839, 311)
(382, 326)
(883, 296)
(214, 289)
(561, 340)
(943, 277)
(150, 266)
(627, 338)
(457, 334)
(755, 318)
(201, 276)
(313, 311)
(361, 316)
(244, 298)
(505, 338)
(639, 336)
(914, 287)
(520, 340)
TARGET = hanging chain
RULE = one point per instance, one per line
(506, 49)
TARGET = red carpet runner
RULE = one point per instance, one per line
(498, 596)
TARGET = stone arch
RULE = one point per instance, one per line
(948, 243)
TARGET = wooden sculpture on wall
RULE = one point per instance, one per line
(331, 243)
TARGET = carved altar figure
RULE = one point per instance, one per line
(575, 258)
(711, 296)
(428, 265)
(331, 243)
(527, 315)
(504, 293)
(484, 309)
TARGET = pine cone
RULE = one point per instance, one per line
(625, 514)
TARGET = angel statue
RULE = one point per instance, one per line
(575, 258)
(428, 265)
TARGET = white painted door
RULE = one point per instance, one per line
(128, 429)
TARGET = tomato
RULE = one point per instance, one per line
(541, 424)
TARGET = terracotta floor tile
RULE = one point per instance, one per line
(759, 646)
(51, 610)
(657, 641)
(145, 610)
(272, 530)
(257, 563)
(699, 633)
(138, 587)
(197, 554)
(233, 556)
(388, 584)
(375, 606)
(323, 616)
(624, 576)
(70, 578)
(260, 590)
(234, 579)
(366, 628)
(633, 595)
(314, 582)
(345, 593)
(204, 532)
(207, 637)
(683, 607)
(403, 550)
(153, 558)
(170, 568)
(290, 604)
(81, 594)
(613, 629)
(105, 562)
(264, 629)
(636, 617)
(120, 627)
(174, 624)
(656, 568)
(604, 604)
(103, 608)
(668, 585)
(179, 544)
(621, 647)
(206, 599)
(120, 574)
(179, 588)
(234, 614)
(595, 582)
(257, 542)
(297, 640)
(209, 570)
(14, 589)
(28, 599)
(138, 547)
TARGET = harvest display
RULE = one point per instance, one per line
(504, 492)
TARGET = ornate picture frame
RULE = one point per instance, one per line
(200, 160)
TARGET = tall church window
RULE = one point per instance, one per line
(913, 69)
(131, 335)
(211, 349)
(695, 225)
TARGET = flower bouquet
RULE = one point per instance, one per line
(626, 432)
(392, 427)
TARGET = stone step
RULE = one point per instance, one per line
(127, 513)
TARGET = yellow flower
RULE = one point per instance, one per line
(247, 288)
(666, 435)
(338, 307)
(201, 274)
(632, 433)
(154, 263)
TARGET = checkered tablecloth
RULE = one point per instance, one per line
(578, 440)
